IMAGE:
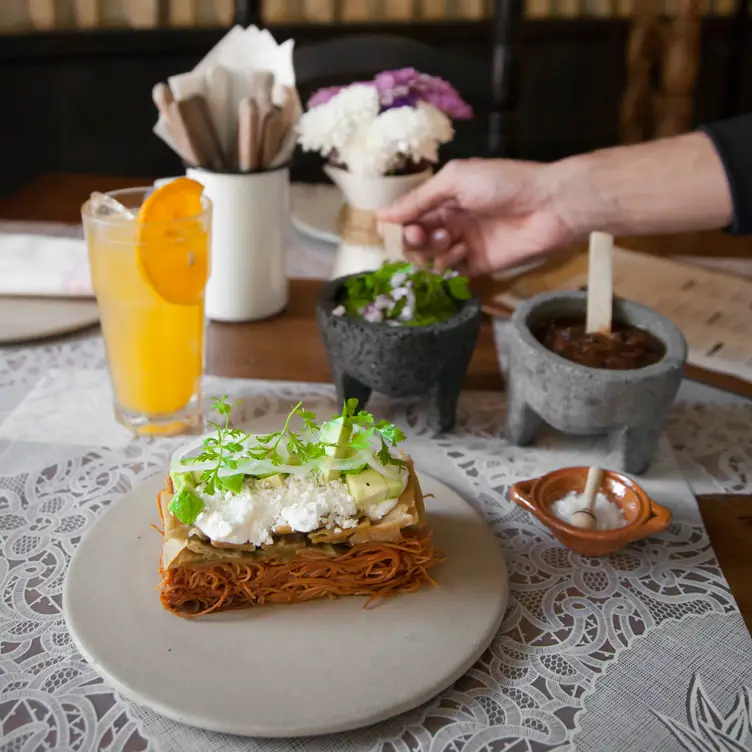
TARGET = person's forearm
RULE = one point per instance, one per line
(670, 185)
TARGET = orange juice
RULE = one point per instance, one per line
(152, 321)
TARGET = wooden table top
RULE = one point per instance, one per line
(288, 347)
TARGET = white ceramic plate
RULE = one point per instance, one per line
(279, 671)
(23, 319)
(314, 209)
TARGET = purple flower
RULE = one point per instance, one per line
(322, 96)
(406, 87)
(373, 314)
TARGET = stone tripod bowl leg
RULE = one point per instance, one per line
(442, 398)
(637, 446)
(348, 387)
(523, 423)
(442, 404)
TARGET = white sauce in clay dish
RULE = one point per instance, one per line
(608, 516)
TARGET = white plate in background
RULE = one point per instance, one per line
(314, 208)
(25, 318)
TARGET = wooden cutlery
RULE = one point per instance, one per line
(260, 135)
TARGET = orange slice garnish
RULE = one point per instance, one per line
(173, 255)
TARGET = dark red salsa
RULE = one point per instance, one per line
(625, 348)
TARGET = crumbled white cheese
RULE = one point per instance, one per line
(303, 503)
(380, 508)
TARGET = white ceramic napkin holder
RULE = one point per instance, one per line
(247, 278)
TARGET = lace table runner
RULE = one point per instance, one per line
(644, 650)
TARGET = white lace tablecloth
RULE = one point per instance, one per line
(644, 650)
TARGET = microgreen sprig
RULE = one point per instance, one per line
(217, 448)
(223, 448)
(387, 432)
(267, 447)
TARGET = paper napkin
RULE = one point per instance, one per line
(44, 266)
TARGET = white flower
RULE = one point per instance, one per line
(338, 311)
(331, 126)
(398, 279)
(441, 124)
(403, 133)
(369, 143)
(383, 302)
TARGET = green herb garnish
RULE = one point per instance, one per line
(356, 431)
(405, 294)
(387, 432)
(219, 448)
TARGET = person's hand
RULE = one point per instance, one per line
(478, 215)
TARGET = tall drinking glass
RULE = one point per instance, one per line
(149, 279)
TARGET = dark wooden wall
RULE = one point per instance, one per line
(80, 102)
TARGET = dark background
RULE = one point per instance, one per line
(80, 101)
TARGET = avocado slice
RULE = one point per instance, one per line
(355, 470)
(186, 479)
(232, 483)
(337, 432)
(368, 487)
(276, 481)
(186, 505)
(394, 487)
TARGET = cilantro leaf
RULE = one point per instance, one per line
(459, 288)
(361, 440)
(186, 506)
(349, 408)
(385, 456)
(389, 432)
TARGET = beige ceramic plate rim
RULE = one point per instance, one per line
(314, 210)
(474, 577)
(42, 317)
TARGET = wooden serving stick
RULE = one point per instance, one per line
(585, 517)
(261, 87)
(600, 283)
(201, 132)
(248, 131)
(393, 245)
(165, 103)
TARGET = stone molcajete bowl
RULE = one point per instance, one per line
(629, 407)
(399, 361)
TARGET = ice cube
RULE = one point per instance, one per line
(107, 206)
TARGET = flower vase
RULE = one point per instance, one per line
(361, 248)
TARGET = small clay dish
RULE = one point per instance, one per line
(644, 516)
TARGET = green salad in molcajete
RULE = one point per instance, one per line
(402, 294)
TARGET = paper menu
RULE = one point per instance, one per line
(713, 309)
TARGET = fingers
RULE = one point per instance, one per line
(452, 258)
(418, 237)
(412, 206)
